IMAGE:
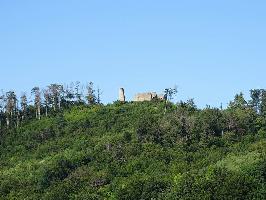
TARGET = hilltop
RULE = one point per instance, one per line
(137, 150)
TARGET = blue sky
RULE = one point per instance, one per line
(209, 49)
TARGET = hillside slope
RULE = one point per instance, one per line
(134, 151)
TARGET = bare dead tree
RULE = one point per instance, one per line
(47, 100)
(23, 105)
(55, 93)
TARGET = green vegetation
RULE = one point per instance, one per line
(141, 150)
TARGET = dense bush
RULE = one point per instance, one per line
(137, 151)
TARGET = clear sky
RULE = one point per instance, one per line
(209, 49)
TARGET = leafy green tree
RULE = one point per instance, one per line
(132, 150)
(263, 102)
(240, 121)
(147, 129)
(210, 123)
(239, 102)
(170, 93)
(255, 99)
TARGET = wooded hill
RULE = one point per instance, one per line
(62, 147)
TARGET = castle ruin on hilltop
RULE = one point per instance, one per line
(122, 96)
(148, 96)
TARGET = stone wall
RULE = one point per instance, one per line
(149, 96)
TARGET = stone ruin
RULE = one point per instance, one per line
(149, 96)
(122, 96)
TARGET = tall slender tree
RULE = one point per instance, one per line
(47, 100)
(263, 102)
(55, 91)
(69, 94)
(170, 93)
(91, 98)
(78, 92)
(255, 99)
(2, 110)
(11, 102)
(17, 112)
(37, 101)
(23, 105)
(99, 93)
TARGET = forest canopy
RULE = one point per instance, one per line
(63, 143)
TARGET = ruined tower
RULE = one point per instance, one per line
(122, 96)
